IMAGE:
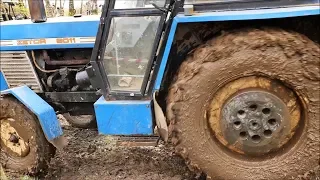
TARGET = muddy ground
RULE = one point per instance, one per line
(90, 156)
(95, 157)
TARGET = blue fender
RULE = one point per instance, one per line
(45, 113)
(3, 82)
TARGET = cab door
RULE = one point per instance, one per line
(126, 45)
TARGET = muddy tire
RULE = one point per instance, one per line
(286, 58)
(24, 148)
(81, 121)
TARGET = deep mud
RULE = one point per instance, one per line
(91, 156)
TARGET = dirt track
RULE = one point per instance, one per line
(90, 156)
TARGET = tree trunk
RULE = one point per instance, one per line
(95, 6)
(21, 4)
(3, 10)
(71, 8)
(47, 2)
(81, 6)
(49, 10)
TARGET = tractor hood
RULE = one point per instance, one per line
(59, 32)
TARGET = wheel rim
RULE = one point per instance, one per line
(11, 139)
(254, 115)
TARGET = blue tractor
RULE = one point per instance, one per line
(233, 85)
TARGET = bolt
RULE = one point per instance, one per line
(254, 125)
(13, 138)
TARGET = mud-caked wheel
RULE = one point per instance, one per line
(81, 121)
(24, 148)
(80, 116)
(245, 106)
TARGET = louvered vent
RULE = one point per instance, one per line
(18, 70)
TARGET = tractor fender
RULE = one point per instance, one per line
(3, 82)
(46, 115)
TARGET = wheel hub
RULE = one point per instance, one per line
(14, 138)
(254, 115)
(11, 141)
(259, 119)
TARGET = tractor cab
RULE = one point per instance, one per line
(126, 46)
(123, 65)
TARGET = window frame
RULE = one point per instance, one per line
(97, 59)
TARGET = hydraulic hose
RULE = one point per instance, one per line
(38, 67)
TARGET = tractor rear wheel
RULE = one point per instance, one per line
(24, 148)
(245, 106)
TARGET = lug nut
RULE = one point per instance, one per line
(14, 138)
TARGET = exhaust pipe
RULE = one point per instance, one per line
(37, 11)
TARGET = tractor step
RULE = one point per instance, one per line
(135, 141)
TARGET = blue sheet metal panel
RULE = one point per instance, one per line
(3, 82)
(49, 30)
(228, 16)
(45, 113)
(123, 117)
(46, 46)
(251, 14)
